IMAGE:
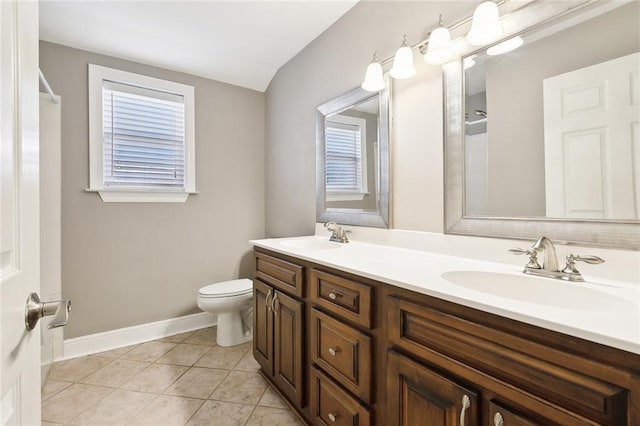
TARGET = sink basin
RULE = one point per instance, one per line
(540, 291)
(311, 244)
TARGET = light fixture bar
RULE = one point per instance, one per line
(421, 46)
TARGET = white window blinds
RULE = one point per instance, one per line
(143, 137)
(343, 157)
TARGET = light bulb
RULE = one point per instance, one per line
(485, 26)
(403, 62)
(373, 78)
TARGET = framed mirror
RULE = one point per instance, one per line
(543, 139)
(352, 159)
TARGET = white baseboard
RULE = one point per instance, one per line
(100, 342)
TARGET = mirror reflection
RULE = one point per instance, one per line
(351, 153)
(352, 159)
(552, 121)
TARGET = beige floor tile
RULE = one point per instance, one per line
(149, 351)
(205, 336)
(115, 374)
(72, 401)
(177, 338)
(118, 407)
(116, 353)
(168, 410)
(272, 399)
(75, 369)
(155, 378)
(50, 424)
(221, 357)
(266, 416)
(248, 363)
(197, 382)
(240, 386)
(184, 354)
(52, 387)
(224, 413)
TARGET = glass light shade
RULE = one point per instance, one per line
(439, 49)
(486, 26)
(469, 62)
(505, 46)
(403, 64)
(373, 78)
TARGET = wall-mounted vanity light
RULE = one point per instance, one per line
(403, 62)
(438, 48)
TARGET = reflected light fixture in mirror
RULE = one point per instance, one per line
(439, 50)
(373, 79)
(485, 26)
(403, 62)
(505, 46)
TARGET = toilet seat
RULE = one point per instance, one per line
(226, 289)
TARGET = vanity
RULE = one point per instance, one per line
(366, 334)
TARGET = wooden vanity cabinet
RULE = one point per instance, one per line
(278, 335)
(347, 350)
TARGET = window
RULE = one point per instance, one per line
(141, 137)
(346, 158)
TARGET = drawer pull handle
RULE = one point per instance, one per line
(466, 403)
(334, 295)
(273, 304)
(333, 351)
(498, 420)
(332, 417)
(267, 301)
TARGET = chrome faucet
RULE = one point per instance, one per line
(550, 266)
(338, 234)
(550, 259)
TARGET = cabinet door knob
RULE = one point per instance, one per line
(332, 416)
(273, 304)
(498, 420)
(333, 351)
(466, 403)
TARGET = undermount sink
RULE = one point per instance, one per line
(311, 244)
(540, 291)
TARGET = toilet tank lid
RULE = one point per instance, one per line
(227, 288)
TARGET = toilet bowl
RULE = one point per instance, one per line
(231, 301)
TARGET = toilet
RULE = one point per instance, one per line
(232, 302)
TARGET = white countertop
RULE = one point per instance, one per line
(602, 311)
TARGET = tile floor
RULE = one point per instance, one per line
(179, 380)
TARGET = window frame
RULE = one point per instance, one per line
(361, 123)
(97, 74)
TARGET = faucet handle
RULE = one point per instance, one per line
(571, 270)
(533, 257)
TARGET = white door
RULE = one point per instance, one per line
(592, 141)
(19, 211)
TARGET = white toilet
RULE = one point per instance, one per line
(232, 302)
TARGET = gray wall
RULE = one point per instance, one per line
(514, 95)
(131, 263)
(334, 63)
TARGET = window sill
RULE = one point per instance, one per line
(346, 196)
(141, 195)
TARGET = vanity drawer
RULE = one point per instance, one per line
(348, 299)
(283, 275)
(330, 405)
(343, 352)
(559, 377)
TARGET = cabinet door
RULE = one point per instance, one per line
(416, 395)
(501, 416)
(263, 325)
(288, 347)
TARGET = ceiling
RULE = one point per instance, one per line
(238, 42)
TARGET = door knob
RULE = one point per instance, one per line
(36, 309)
